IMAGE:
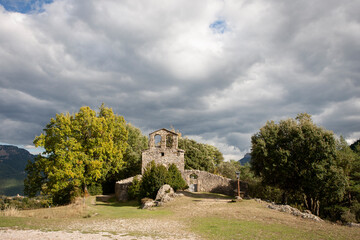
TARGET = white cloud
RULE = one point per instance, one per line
(160, 63)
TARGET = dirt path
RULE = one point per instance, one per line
(11, 234)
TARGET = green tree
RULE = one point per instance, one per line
(132, 158)
(298, 157)
(153, 178)
(349, 161)
(80, 149)
(228, 169)
(175, 179)
(200, 156)
(137, 142)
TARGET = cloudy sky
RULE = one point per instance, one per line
(215, 70)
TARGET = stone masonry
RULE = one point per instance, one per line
(202, 181)
(163, 149)
(121, 188)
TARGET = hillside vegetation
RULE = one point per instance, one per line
(12, 169)
(194, 216)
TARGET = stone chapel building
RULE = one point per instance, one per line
(163, 149)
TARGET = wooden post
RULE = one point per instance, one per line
(238, 178)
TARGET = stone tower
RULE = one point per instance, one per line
(163, 149)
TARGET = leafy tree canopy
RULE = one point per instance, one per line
(228, 169)
(81, 148)
(137, 142)
(200, 156)
(299, 157)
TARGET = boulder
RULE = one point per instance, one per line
(294, 211)
(165, 193)
(147, 203)
(353, 224)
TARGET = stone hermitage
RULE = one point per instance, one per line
(163, 149)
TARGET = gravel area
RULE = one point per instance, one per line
(12, 234)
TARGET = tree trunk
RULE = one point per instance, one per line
(85, 194)
(312, 204)
(306, 202)
(284, 198)
(317, 207)
(349, 198)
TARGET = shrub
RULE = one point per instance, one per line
(355, 208)
(24, 203)
(334, 213)
(134, 189)
(154, 177)
(95, 189)
(175, 179)
(258, 190)
(348, 217)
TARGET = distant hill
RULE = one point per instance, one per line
(245, 159)
(12, 169)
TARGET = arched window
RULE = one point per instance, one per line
(169, 141)
(193, 176)
(157, 139)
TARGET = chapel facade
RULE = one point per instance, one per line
(163, 150)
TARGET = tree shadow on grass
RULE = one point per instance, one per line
(131, 203)
(205, 195)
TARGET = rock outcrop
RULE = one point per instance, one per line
(165, 194)
(291, 210)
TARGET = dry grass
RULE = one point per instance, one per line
(194, 216)
(74, 210)
(11, 212)
(207, 214)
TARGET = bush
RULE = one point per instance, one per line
(334, 213)
(66, 195)
(355, 208)
(348, 217)
(95, 189)
(258, 190)
(134, 189)
(154, 177)
(175, 179)
(24, 203)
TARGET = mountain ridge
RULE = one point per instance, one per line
(13, 161)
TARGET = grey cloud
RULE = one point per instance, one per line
(161, 64)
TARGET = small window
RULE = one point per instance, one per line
(162, 154)
(157, 139)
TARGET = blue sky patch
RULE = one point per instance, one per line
(24, 6)
(219, 26)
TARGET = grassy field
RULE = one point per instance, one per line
(194, 216)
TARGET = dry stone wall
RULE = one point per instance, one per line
(121, 188)
(202, 181)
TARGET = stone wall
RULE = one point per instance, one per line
(121, 188)
(202, 181)
(165, 152)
